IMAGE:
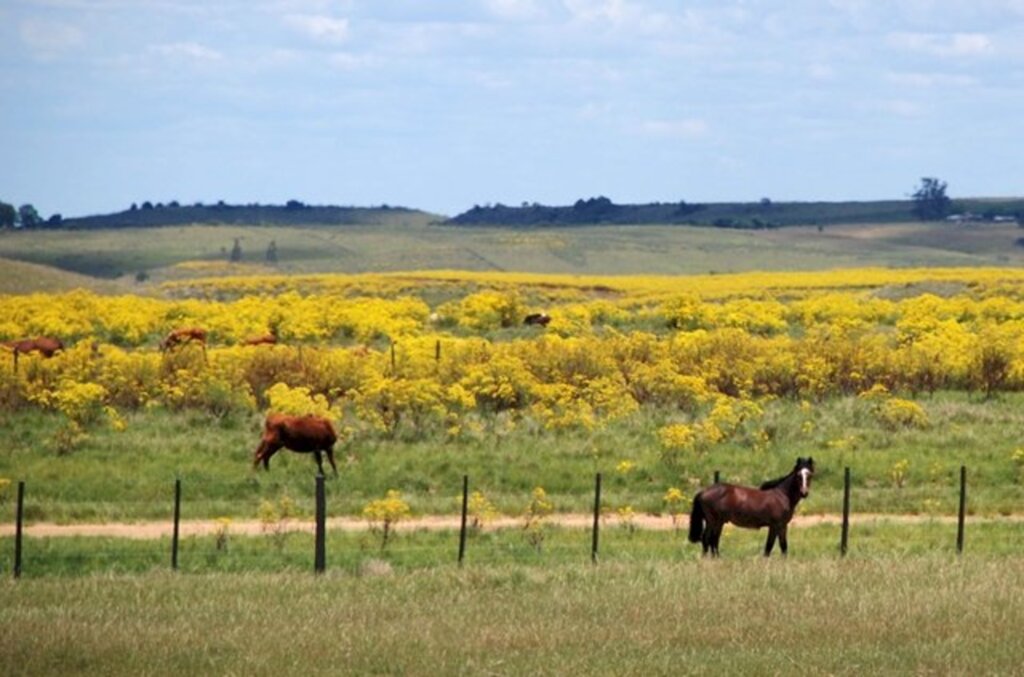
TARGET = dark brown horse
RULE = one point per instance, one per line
(537, 319)
(770, 506)
(179, 337)
(303, 434)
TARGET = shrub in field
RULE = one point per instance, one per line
(676, 504)
(898, 473)
(221, 529)
(297, 401)
(385, 513)
(896, 413)
(275, 517)
(534, 516)
(1018, 463)
(487, 310)
(480, 510)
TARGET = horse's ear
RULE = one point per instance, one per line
(810, 462)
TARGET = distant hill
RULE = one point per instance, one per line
(747, 215)
(294, 213)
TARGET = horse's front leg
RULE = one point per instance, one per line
(771, 542)
(783, 541)
(263, 454)
(319, 461)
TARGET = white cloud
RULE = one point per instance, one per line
(944, 45)
(187, 51)
(926, 80)
(50, 38)
(515, 9)
(901, 108)
(319, 27)
(682, 128)
(346, 61)
(821, 71)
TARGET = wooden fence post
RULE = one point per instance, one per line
(19, 521)
(462, 528)
(845, 538)
(320, 541)
(963, 511)
(177, 524)
(597, 518)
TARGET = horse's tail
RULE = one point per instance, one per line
(696, 520)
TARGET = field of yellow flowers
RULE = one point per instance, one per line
(443, 351)
(678, 369)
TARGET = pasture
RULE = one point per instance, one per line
(654, 382)
(889, 615)
(607, 250)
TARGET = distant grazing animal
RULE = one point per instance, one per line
(44, 345)
(182, 336)
(303, 434)
(264, 340)
(537, 319)
(770, 506)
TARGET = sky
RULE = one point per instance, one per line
(448, 104)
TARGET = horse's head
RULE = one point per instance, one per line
(804, 471)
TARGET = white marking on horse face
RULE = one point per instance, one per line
(805, 480)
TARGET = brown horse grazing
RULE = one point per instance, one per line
(299, 433)
(44, 345)
(179, 337)
(770, 506)
(264, 340)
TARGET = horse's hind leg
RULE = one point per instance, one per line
(715, 535)
(770, 543)
(330, 458)
(319, 461)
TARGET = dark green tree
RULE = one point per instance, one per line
(236, 252)
(930, 200)
(28, 216)
(272, 252)
(8, 215)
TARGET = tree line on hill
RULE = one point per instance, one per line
(147, 214)
(929, 202)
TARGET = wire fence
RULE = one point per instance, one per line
(190, 543)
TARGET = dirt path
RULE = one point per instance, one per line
(151, 530)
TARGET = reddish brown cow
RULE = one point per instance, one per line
(265, 340)
(302, 434)
(44, 345)
(537, 319)
(182, 336)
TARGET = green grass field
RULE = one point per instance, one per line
(933, 614)
(109, 254)
(117, 476)
(901, 602)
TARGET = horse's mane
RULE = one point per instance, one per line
(771, 484)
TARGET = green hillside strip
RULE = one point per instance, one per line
(21, 277)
